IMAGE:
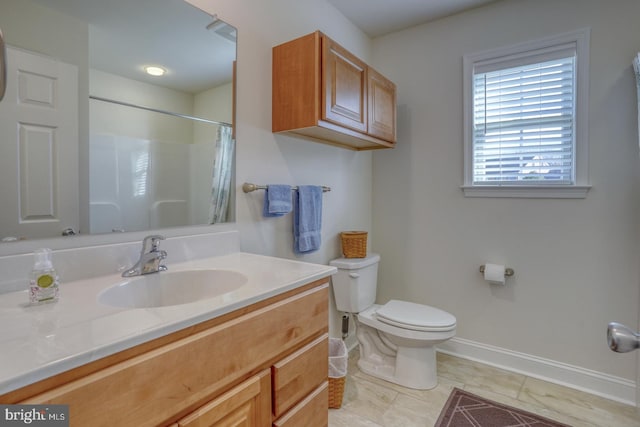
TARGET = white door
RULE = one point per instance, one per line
(39, 147)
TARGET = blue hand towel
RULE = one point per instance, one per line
(277, 200)
(307, 218)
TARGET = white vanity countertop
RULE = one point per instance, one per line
(40, 341)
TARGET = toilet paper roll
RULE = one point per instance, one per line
(494, 273)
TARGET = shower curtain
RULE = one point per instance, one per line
(636, 68)
(222, 172)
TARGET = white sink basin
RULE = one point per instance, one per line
(171, 288)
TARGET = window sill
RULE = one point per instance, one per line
(528, 192)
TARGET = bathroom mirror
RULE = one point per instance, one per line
(93, 144)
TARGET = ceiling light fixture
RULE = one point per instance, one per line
(155, 71)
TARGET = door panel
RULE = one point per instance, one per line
(40, 115)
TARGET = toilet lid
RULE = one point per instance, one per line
(417, 317)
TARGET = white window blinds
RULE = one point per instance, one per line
(523, 119)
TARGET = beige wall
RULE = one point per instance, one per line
(576, 261)
(70, 43)
(212, 104)
(109, 118)
(267, 158)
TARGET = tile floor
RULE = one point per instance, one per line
(370, 402)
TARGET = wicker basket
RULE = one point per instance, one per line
(336, 391)
(354, 244)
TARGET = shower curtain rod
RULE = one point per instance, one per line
(155, 110)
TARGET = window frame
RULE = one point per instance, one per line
(580, 187)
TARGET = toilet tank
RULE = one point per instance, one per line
(355, 283)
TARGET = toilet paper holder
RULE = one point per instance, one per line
(508, 272)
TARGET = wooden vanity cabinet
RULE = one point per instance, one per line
(322, 91)
(262, 365)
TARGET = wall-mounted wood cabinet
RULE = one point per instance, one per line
(322, 91)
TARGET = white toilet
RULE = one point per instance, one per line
(396, 339)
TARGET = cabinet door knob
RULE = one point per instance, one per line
(354, 275)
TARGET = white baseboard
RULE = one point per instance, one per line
(603, 385)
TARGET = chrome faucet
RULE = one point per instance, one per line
(150, 258)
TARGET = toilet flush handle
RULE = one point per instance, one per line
(354, 275)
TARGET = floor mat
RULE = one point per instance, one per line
(464, 409)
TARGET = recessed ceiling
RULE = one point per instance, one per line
(379, 17)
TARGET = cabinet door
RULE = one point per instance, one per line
(382, 106)
(246, 405)
(344, 85)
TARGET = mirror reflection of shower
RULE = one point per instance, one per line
(165, 170)
(102, 49)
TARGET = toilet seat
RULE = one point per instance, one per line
(369, 317)
(415, 317)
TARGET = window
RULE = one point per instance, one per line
(526, 119)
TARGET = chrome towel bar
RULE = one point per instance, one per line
(248, 188)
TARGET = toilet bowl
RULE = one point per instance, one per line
(412, 362)
(397, 340)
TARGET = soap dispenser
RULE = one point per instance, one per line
(43, 285)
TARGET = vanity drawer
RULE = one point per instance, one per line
(312, 411)
(299, 373)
